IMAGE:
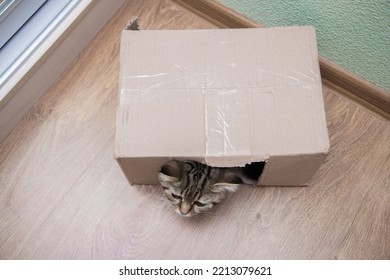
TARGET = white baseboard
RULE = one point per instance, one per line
(59, 49)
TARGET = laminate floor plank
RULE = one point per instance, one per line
(63, 196)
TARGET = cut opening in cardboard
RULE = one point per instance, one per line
(253, 171)
(249, 174)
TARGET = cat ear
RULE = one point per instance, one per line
(171, 171)
(227, 182)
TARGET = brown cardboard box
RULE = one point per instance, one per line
(224, 97)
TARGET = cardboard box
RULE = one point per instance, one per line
(224, 97)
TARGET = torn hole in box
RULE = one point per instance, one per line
(250, 173)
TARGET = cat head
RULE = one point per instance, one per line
(194, 188)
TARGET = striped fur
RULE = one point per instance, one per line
(194, 188)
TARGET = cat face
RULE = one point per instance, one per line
(194, 188)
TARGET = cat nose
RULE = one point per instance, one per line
(185, 208)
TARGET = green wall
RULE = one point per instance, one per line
(354, 34)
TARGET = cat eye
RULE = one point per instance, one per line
(199, 204)
(176, 196)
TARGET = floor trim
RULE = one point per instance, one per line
(348, 84)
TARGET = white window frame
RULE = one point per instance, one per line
(29, 77)
(14, 14)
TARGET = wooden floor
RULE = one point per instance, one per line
(63, 196)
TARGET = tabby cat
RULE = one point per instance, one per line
(194, 188)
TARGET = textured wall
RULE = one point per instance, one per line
(353, 33)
